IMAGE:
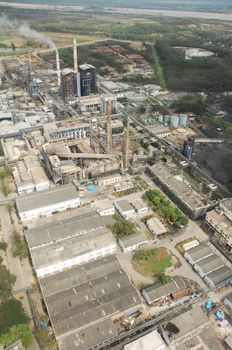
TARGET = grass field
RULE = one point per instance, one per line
(152, 262)
(65, 39)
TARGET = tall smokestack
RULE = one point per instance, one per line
(127, 144)
(58, 68)
(75, 55)
(109, 128)
(29, 61)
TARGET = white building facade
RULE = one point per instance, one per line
(78, 260)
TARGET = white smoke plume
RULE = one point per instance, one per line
(26, 31)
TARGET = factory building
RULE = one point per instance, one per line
(176, 288)
(219, 223)
(84, 301)
(208, 264)
(125, 209)
(150, 341)
(140, 206)
(29, 175)
(45, 203)
(66, 129)
(132, 243)
(195, 254)
(83, 298)
(219, 277)
(179, 190)
(184, 326)
(74, 241)
(88, 79)
(156, 227)
(109, 180)
(228, 302)
(68, 88)
(104, 207)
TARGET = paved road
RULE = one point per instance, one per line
(170, 242)
(136, 278)
(22, 271)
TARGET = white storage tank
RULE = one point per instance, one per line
(174, 121)
(183, 120)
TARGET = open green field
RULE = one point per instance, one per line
(152, 262)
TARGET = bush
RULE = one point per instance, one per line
(3, 246)
(122, 227)
(164, 279)
(11, 314)
(18, 332)
(19, 247)
(7, 280)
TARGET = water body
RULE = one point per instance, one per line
(227, 16)
(223, 16)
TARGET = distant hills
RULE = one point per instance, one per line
(191, 5)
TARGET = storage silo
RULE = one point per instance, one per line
(183, 120)
(174, 121)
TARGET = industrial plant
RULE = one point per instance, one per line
(126, 235)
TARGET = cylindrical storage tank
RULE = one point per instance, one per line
(166, 120)
(161, 119)
(174, 121)
(183, 120)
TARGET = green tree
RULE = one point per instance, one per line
(3, 246)
(162, 205)
(18, 332)
(11, 314)
(190, 103)
(122, 227)
(7, 280)
(46, 338)
(164, 279)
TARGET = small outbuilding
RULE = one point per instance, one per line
(140, 206)
(125, 208)
(133, 242)
(159, 291)
(156, 227)
(150, 341)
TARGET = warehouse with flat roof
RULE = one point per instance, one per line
(124, 208)
(185, 325)
(79, 299)
(150, 341)
(197, 253)
(47, 202)
(208, 264)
